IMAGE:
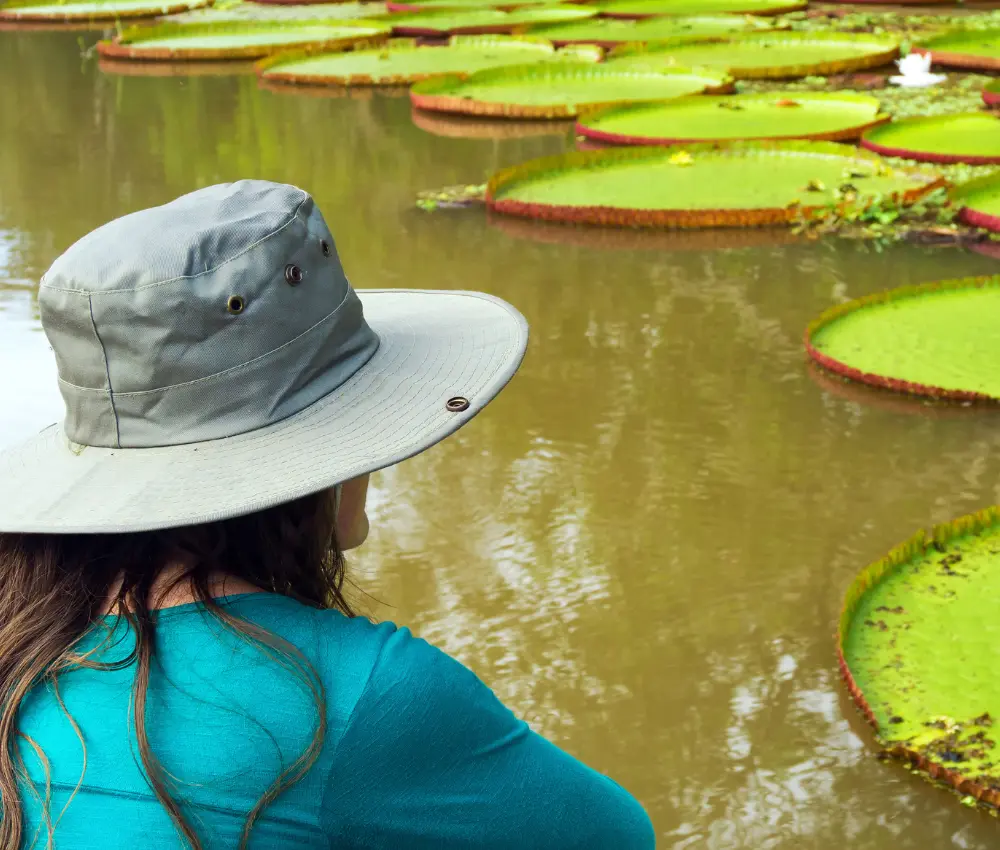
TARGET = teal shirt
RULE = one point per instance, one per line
(418, 752)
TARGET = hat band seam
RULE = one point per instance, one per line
(225, 262)
(107, 372)
(234, 369)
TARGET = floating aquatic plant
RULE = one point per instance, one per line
(915, 641)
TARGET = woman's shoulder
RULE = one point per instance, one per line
(357, 657)
(339, 646)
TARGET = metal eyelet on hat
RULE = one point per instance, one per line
(457, 404)
(236, 304)
(324, 247)
(293, 274)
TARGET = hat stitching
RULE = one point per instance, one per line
(107, 371)
(249, 248)
(73, 386)
(237, 368)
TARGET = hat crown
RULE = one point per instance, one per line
(218, 313)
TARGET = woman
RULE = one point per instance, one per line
(179, 665)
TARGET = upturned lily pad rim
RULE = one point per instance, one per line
(870, 141)
(437, 95)
(869, 578)
(551, 30)
(899, 385)
(446, 125)
(498, 23)
(966, 194)
(991, 93)
(778, 7)
(11, 13)
(270, 68)
(584, 126)
(944, 50)
(300, 2)
(502, 5)
(180, 68)
(884, 49)
(680, 218)
(128, 44)
(902, 2)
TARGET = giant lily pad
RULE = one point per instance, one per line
(557, 90)
(965, 49)
(767, 54)
(258, 12)
(235, 40)
(940, 340)
(916, 642)
(608, 32)
(403, 61)
(472, 21)
(33, 11)
(971, 137)
(991, 93)
(771, 115)
(647, 8)
(743, 184)
(980, 202)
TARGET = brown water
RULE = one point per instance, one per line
(642, 546)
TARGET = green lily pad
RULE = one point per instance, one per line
(403, 61)
(767, 54)
(770, 115)
(235, 40)
(991, 93)
(260, 12)
(611, 31)
(644, 8)
(966, 48)
(916, 640)
(472, 21)
(702, 185)
(979, 200)
(96, 10)
(557, 90)
(940, 340)
(970, 137)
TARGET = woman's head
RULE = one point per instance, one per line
(214, 358)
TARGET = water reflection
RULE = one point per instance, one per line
(644, 543)
(27, 366)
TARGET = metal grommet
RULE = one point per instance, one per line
(457, 404)
(293, 274)
(325, 247)
(236, 304)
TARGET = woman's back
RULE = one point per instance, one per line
(417, 752)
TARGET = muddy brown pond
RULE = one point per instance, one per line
(643, 545)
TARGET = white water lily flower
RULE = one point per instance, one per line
(915, 72)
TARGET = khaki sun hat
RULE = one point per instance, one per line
(215, 361)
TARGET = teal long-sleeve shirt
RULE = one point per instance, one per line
(418, 753)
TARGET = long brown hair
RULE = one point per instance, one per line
(53, 589)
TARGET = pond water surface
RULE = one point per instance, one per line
(643, 544)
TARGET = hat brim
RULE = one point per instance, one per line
(434, 346)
